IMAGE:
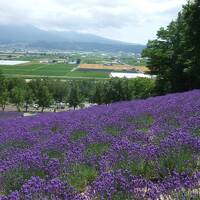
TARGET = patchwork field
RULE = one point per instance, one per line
(137, 150)
(51, 70)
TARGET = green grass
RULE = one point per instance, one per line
(38, 69)
(179, 160)
(112, 130)
(80, 176)
(55, 154)
(141, 167)
(14, 179)
(97, 149)
(88, 74)
(77, 135)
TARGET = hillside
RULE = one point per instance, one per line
(33, 37)
(142, 149)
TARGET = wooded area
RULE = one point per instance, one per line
(175, 55)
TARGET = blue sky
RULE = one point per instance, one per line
(133, 21)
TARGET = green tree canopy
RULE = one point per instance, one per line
(28, 97)
(44, 97)
(17, 97)
(74, 98)
(175, 56)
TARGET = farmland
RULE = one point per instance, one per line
(92, 65)
(145, 149)
(55, 70)
(50, 70)
(110, 67)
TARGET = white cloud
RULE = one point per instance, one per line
(128, 20)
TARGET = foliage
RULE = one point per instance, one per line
(78, 135)
(174, 55)
(28, 97)
(17, 95)
(81, 175)
(14, 179)
(74, 98)
(47, 92)
(44, 97)
(4, 95)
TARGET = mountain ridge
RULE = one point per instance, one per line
(66, 40)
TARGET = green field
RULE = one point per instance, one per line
(51, 70)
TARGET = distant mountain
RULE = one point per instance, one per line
(37, 38)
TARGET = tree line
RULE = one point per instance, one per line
(46, 92)
(175, 55)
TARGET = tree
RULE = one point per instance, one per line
(44, 97)
(17, 97)
(58, 89)
(141, 88)
(1, 74)
(97, 95)
(174, 55)
(4, 97)
(35, 85)
(191, 15)
(74, 97)
(15, 82)
(115, 90)
(28, 97)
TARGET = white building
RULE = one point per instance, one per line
(129, 75)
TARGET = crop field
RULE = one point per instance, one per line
(116, 67)
(137, 150)
(55, 70)
(101, 66)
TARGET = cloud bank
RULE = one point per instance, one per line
(127, 20)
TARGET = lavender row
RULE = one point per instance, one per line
(144, 149)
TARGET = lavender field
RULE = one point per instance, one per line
(10, 115)
(145, 149)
